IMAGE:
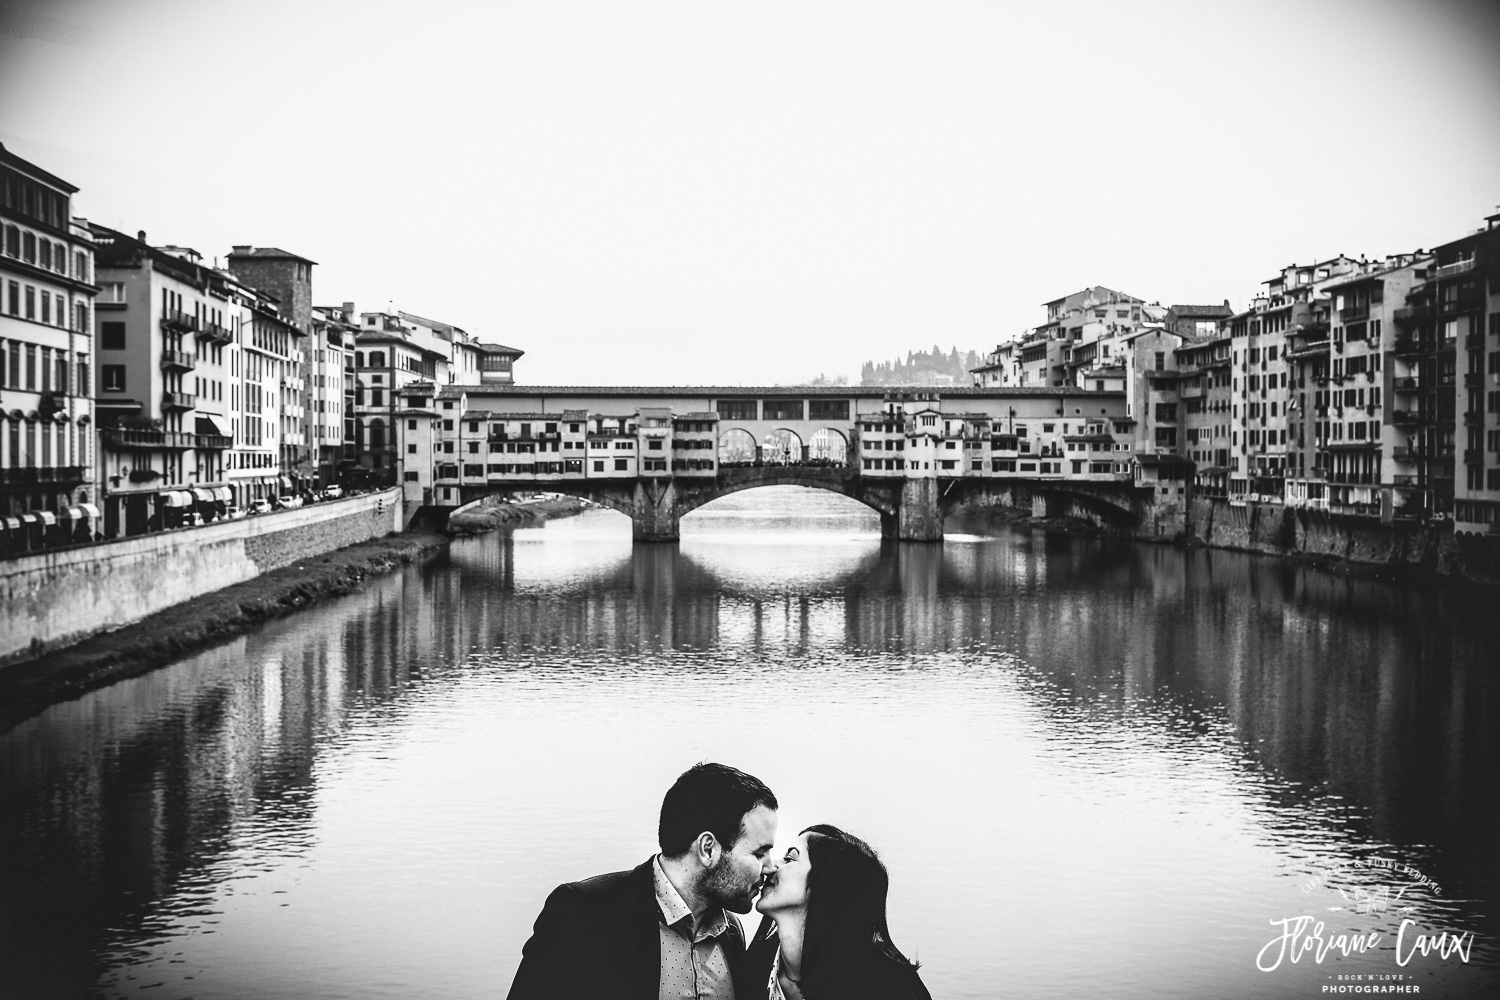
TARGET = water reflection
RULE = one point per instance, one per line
(1118, 743)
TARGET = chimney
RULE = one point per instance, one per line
(141, 235)
(348, 309)
(242, 249)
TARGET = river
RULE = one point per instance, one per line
(1092, 767)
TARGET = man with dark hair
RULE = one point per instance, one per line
(664, 929)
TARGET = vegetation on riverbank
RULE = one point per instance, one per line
(27, 688)
(495, 512)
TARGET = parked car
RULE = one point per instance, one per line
(261, 506)
(333, 492)
(288, 502)
(234, 514)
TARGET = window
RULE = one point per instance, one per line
(598, 466)
(828, 409)
(112, 336)
(622, 464)
(737, 409)
(114, 378)
(14, 296)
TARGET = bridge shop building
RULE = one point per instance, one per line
(656, 453)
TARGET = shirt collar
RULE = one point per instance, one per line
(674, 910)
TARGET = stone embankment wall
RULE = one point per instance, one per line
(1276, 530)
(53, 599)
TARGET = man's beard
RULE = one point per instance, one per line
(720, 886)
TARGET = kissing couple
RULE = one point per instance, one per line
(667, 928)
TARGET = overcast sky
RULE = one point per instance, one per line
(720, 192)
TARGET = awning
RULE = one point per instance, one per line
(47, 517)
(222, 493)
(74, 514)
(286, 483)
(30, 517)
(13, 523)
(177, 498)
(205, 495)
(90, 510)
(205, 425)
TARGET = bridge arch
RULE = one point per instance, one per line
(782, 446)
(737, 446)
(828, 446)
(884, 501)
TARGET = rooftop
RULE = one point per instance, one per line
(36, 172)
(267, 253)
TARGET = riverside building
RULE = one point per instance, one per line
(287, 278)
(1450, 341)
(394, 350)
(166, 382)
(48, 475)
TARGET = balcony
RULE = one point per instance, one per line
(1408, 384)
(1473, 380)
(1473, 455)
(1412, 314)
(124, 438)
(216, 333)
(1474, 342)
(218, 442)
(1408, 344)
(1354, 313)
(1354, 478)
(1457, 267)
(1406, 481)
(178, 400)
(1473, 418)
(44, 474)
(1411, 418)
(178, 361)
(1403, 453)
(176, 319)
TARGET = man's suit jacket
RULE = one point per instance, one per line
(598, 940)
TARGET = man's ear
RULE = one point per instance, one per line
(706, 849)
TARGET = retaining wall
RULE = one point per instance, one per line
(1276, 530)
(52, 599)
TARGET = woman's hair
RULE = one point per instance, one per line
(846, 888)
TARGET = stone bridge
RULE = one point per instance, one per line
(910, 509)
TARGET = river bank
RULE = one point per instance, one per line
(30, 686)
(495, 513)
(1342, 545)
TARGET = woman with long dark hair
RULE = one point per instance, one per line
(825, 936)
